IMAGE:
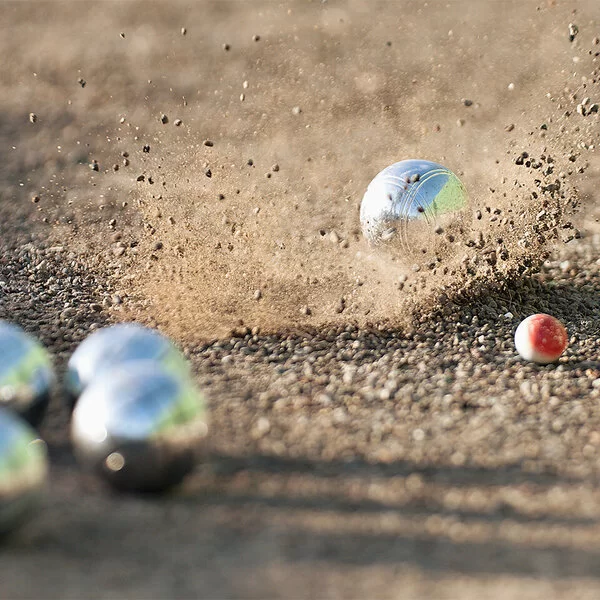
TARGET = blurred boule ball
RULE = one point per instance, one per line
(26, 374)
(141, 427)
(114, 346)
(23, 470)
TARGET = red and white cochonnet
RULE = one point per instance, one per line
(541, 338)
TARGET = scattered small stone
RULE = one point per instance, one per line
(208, 143)
(122, 34)
(141, 178)
(257, 294)
(146, 148)
(242, 97)
(467, 102)
(183, 31)
(35, 199)
(32, 117)
(94, 165)
(275, 168)
(208, 173)
(81, 81)
(509, 127)
(296, 110)
(573, 31)
(226, 47)
(250, 162)
(158, 246)
(305, 310)
(334, 238)
(256, 38)
(115, 167)
(164, 119)
(178, 122)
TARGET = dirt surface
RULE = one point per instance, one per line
(199, 167)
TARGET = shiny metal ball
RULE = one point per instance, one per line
(407, 201)
(23, 471)
(26, 374)
(113, 346)
(140, 426)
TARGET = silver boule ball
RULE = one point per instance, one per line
(140, 427)
(26, 374)
(114, 346)
(23, 471)
(407, 201)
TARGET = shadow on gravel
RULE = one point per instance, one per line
(455, 476)
(441, 555)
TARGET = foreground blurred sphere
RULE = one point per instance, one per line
(23, 470)
(26, 374)
(113, 346)
(407, 201)
(141, 428)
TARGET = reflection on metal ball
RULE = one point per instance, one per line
(23, 470)
(407, 201)
(26, 374)
(114, 346)
(141, 428)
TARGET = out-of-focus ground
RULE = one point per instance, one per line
(350, 455)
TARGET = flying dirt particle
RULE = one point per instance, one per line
(256, 38)
(208, 143)
(122, 34)
(81, 81)
(275, 168)
(32, 117)
(177, 122)
(208, 173)
(146, 148)
(183, 31)
(226, 47)
(35, 199)
(467, 102)
(296, 110)
(573, 31)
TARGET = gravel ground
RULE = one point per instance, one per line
(345, 459)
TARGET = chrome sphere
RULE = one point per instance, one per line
(23, 470)
(113, 346)
(407, 201)
(140, 427)
(26, 374)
